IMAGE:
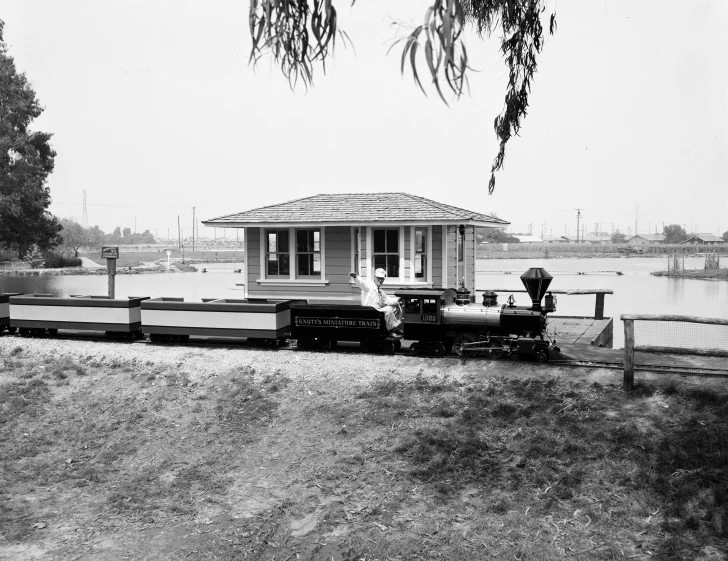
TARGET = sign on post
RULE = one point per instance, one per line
(111, 254)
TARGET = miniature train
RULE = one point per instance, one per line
(437, 320)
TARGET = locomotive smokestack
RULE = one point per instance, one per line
(536, 281)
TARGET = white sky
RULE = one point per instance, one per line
(154, 110)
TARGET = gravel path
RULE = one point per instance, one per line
(342, 368)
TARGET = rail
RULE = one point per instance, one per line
(599, 292)
(629, 343)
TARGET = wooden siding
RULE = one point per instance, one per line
(252, 255)
(437, 256)
(450, 273)
(470, 258)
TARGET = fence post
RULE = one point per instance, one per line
(599, 306)
(628, 354)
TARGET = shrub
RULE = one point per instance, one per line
(34, 257)
(54, 260)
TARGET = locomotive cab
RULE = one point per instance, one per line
(423, 309)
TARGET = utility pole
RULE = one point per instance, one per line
(179, 234)
(193, 228)
(135, 223)
(578, 216)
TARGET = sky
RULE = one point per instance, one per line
(155, 110)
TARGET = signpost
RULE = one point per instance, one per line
(111, 254)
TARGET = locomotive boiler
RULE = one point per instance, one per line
(442, 320)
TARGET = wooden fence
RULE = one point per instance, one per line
(571, 248)
(630, 348)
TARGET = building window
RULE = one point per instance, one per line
(386, 251)
(420, 258)
(308, 253)
(277, 254)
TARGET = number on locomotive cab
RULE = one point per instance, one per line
(428, 317)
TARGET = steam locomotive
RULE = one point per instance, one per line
(439, 321)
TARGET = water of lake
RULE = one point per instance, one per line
(635, 291)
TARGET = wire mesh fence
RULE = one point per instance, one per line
(708, 342)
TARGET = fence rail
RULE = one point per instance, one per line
(567, 248)
(630, 347)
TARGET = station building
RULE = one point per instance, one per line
(306, 248)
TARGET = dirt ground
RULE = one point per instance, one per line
(144, 451)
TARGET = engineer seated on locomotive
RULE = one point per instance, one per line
(372, 296)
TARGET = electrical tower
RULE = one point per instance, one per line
(84, 217)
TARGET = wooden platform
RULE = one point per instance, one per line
(582, 331)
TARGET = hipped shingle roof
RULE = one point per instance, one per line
(358, 208)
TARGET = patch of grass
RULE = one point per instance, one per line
(169, 487)
(557, 444)
(241, 406)
(22, 398)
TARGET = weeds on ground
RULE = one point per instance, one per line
(542, 447)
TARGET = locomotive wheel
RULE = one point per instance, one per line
(497, 350)
(334, 343)
(139, 334)
(460, 340)
(388, 347)
(52, 332)
(439, 349)
(541, 356)
(24, 332)
(414, 348)
(397, 345)
(324, 344)
(12, 330)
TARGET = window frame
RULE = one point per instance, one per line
(292, 278)
(267, 252)
(399, 253)
(313, 253)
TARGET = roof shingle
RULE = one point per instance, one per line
(347, 208)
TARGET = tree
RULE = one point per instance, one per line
(95, 237)
(674, 233)
(725, 236)
(34, 257)
(301, 33)
(618, 237)
(127, 234)
(26, 160)
(73, 234)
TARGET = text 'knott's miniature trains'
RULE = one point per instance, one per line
(437, 320)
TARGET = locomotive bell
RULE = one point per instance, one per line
(536, 281)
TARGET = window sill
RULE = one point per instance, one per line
(401, 284)
(292, 282)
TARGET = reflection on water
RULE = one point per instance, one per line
(635, 290)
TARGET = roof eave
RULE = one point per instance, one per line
(243, 224)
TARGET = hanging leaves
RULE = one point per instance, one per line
(300, 33)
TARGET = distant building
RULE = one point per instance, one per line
(646, 238)
(556, 239)
(527, 238)
(705, 239)
(598, 237)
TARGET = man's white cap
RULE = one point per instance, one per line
(380, 273)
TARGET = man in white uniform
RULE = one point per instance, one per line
(372, 296)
